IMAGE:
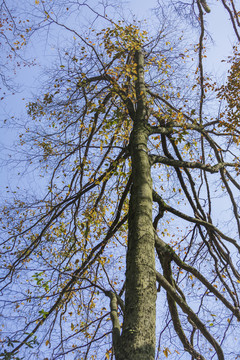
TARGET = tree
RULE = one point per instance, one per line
(131, 151)
(15, 32)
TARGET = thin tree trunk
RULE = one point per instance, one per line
(138, 336)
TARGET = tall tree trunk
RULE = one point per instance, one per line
(138, 336)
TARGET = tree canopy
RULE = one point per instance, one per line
(128, 248)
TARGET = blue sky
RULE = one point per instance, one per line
(27, 78)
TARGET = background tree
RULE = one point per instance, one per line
(17, 25)
(129, 150)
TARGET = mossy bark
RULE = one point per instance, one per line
(138, 334)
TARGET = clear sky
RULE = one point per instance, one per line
(142, 7)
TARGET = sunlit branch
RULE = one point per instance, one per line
(166, 250)
(187, 310)
(205, 6)
(198, 221)
(157, 159)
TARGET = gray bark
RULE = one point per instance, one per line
(138, 335)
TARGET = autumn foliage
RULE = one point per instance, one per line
(128, 246)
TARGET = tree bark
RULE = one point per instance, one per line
(138, 335)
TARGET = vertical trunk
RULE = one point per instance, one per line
(138, 336)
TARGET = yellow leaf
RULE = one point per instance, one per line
(36, 2)
(166, 351)
(47, 342)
